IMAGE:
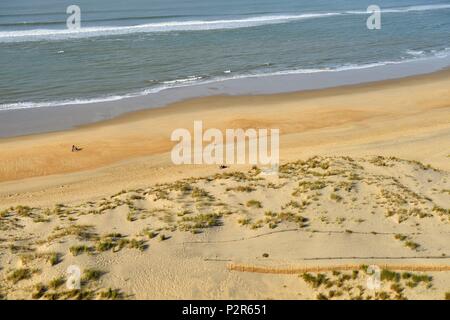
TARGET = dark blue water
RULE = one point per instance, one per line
(139, 47)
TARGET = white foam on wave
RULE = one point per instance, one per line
(420, 8)
(430, 7)
(186, 80)
(198, 80)
(33, 105)
(415, 53)
(63, 34)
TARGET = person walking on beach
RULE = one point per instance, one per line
(75, 148)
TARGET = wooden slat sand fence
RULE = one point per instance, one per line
(345, 267)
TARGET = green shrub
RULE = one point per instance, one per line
(401, 237)
(111, 294)
(19, 275)
(77, 250)
(254, 204)
(163, 237)
(92, 275)
(244, 221)
(105, 245)
(315, 281)
(335, 197)
(412, 245)
(57, 282)
(390, 275)
(39, 291)
(150, 234)
(54, 258)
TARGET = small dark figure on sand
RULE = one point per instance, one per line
(75, 148)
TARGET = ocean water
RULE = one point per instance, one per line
(143, 47)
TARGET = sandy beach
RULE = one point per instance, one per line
(383, 118)
(365, 180)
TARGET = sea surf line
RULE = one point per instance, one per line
(194, 25)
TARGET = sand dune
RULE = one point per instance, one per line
(176, 240)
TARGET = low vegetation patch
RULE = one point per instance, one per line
(92, 275)
(111, 294)
(19, 274)
(254, 204)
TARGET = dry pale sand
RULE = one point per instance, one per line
(365, 180)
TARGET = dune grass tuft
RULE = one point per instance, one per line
(20, 274)
(111, 294)
(254, 204)
(92, 275)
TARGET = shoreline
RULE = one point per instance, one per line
(36, 120)
(381, 118)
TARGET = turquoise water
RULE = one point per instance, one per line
(137, 47)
